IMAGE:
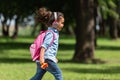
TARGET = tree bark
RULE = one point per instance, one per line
(102, 28)
(113, 27)
(84, 49)
(118, 28)
(96, 21)
(16, 28)
(5, 28)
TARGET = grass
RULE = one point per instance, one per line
(16, 64)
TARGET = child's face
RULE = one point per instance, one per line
(60, 24)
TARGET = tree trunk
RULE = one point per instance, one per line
(96, 20)
(113, 28)
(118, 28)
(5, 28)
(84, 49)
(102, 28)
(16, 28)
(118, 11)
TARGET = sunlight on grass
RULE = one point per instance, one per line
(16, 63)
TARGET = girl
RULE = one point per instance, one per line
(55, 22)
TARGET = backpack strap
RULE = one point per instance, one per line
(52, 39)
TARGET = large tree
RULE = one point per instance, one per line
(84, 11)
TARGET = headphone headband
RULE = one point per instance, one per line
(55, 15)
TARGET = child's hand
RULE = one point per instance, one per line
(44, 65)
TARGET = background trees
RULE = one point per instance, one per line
(81, 18)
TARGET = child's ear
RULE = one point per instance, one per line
(55, 24)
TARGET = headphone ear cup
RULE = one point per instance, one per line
(55, 24)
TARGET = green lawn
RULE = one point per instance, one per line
(16, 64)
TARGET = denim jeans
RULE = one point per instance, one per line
(52, 68)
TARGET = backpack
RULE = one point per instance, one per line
(35, 47)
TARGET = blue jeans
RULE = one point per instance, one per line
(52, 68)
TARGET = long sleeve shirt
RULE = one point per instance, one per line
(51, 51)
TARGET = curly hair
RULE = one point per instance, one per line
(46, 17)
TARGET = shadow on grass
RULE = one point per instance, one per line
(23, 45)
(14, 45)
(93, 61)
(116, 48)
(66, 46)
(110, 70)
(15, 60)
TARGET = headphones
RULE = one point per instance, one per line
(55, 22)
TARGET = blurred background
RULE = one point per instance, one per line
(90, 39)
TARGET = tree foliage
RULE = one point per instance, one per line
(108, 7)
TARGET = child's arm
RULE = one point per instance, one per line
(42, 61)
(42, 51)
